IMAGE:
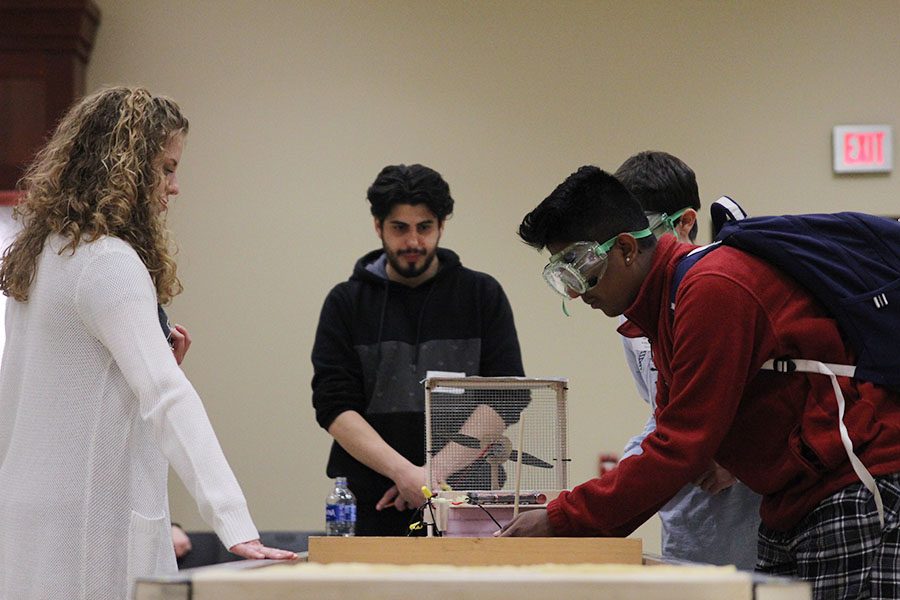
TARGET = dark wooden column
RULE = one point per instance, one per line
(44, 50)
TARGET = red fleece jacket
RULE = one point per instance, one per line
(776, 432)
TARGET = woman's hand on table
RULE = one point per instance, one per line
(254, 549)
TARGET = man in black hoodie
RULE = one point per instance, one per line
(409, 307)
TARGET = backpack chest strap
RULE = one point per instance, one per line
(789, 365)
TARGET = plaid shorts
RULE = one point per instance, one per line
(840, 547)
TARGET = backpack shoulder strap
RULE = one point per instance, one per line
(789, 365)
(687, 261)
(722, 211)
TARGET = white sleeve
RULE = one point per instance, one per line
(117, 302)
(640, 362)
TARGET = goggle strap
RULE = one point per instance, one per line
(675, 216)
(605, 247)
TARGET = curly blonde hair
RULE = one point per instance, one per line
(100, 174)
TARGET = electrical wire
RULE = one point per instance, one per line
(437, 532)
(420, 512)
(487, 512)
(409, 525)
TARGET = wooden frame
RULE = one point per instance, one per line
(558, 386)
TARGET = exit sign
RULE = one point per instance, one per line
(863, 149)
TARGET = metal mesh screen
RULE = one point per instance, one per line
(478, 428)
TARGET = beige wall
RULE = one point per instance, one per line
(295, 106)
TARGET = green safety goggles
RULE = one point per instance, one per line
(662, 223)
(579, 266)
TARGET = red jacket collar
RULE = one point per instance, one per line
(653, 297)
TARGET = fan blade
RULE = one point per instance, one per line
(530, 460)
(467, 441)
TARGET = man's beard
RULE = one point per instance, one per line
(402, 268)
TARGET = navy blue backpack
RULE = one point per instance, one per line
(850, 262)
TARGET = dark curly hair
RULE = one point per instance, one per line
(413, 184)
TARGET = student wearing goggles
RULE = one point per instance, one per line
(579, 266)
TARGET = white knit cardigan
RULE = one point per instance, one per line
(93, 408)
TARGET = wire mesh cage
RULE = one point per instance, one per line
(501, 434)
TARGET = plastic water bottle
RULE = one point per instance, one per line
(340, 510)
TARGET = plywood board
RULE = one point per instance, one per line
(474, 551)
(275, 580)
(400, 582)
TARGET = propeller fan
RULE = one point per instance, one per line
(497, 451)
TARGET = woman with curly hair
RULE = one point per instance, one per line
(93, 407)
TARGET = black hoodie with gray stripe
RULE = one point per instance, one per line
(376, 340)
